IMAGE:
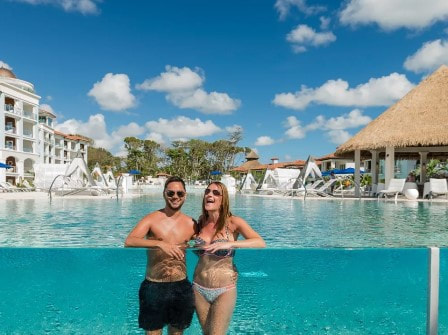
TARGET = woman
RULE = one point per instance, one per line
(215, 276)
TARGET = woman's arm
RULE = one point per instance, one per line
(251, 238)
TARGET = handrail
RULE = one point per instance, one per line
(49, 190)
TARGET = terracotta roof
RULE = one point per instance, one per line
(327, 157)
(418, 119)
(255, 165)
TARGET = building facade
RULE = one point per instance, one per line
(27, 136)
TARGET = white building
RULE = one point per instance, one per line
(27, 135)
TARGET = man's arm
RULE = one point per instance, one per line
(137, 239)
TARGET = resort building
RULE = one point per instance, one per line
(27, 136)
(413, 129)
(332, 162)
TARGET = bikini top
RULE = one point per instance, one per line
(220, 253)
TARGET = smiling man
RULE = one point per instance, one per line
(166, 295)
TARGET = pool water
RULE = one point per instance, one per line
(331, 267)
(284, 223)
(282, 291)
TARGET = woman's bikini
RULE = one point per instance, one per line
(211, 294)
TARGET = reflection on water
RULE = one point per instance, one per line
(284, 223)
(282, 291)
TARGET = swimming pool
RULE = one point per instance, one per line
(282, 291)
(331, 267)
(284, 223)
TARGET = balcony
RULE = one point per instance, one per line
(10, 130)
(28, 134)
(30, 115)
(10, 145)
(12, 169)
(10, 109)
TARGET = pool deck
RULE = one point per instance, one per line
(44, 195)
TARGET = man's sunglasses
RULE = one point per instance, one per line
(215, 192)
(171, 194)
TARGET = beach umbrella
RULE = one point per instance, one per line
(215, 173)
(5, 166)
(134, 172)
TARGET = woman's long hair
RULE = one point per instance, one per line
(224, 210)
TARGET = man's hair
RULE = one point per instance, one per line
(174, 179)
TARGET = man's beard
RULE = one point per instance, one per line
(172, 207)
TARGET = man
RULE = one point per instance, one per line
(166, 295)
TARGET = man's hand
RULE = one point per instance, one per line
(173, 250)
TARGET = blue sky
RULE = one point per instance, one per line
(300, 77)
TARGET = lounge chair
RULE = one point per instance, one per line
(437, 187)
(321, 190)
(395, 187)
(10, 187)
(27, 186)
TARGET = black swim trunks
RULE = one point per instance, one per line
(164, 304)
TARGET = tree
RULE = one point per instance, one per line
(103, 157)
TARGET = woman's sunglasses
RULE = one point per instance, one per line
(215, 192)
(171, 194)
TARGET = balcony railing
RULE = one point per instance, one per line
(10, 130)
(12, 169)
(30, 115)
(10, 147)
(29, 150)
(28, 134)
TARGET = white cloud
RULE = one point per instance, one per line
(234, 128)
(324, 22)
(429, 57)
(182, 127)
(264, 140)
(94, 128)
(173, 80)
(156, 137)
(333, 127)
(113, 92)
(207, 103)
(390, 15)
(303, 36)
(183, 87)
(6, 66)
(284, 6)
(376, 92)
(82, 6)
(49, 98)
(338, 136)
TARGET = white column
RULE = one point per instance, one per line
(389, 165)
(432, 315)
(374, 169)
(423, 161)
(357, 173)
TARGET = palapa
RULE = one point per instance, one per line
(420, 118)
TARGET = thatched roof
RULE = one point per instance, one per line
(252, 155)
(418, 119)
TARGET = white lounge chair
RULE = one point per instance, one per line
(437, 187)
(10, 187)
(321, 190)
(395, 187)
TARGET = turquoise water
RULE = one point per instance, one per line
(284, 223)
(331, 267)
(283, 291)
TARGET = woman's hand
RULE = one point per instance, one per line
(211, 248)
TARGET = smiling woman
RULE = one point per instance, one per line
(215, 275)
